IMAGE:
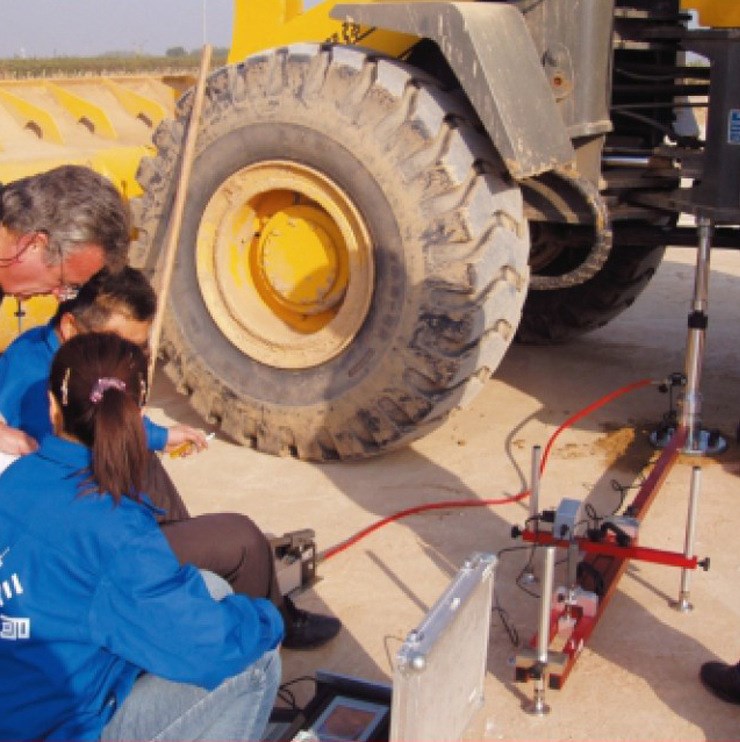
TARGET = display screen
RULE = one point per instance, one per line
(347, 719)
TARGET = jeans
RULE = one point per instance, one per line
(238, 709)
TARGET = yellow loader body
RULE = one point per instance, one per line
(340, 286)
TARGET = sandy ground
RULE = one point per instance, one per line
(637, 677)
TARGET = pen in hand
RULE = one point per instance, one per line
(185, 448)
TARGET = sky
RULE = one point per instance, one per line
(72, 28)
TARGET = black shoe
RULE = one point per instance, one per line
(304, 630)
(722, 679)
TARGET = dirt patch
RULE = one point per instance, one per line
(623, 444)
(615, 444)
(629, 447)
(575, 450)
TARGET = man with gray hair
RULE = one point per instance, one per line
(59, 228)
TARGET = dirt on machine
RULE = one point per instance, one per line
(385, 196)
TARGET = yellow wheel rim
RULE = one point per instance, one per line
(284, 264)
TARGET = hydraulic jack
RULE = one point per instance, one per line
(698, 440)
(713, 199)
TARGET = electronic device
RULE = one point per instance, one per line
(444, 657)
(295, 559)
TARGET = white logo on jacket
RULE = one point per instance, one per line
(12, 628)
(9, 588)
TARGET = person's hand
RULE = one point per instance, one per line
(16, 442)
(182, 440)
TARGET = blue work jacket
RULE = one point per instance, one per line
(91, 595)
(24, 382)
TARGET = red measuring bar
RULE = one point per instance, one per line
(610, 548)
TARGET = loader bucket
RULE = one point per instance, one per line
(105, 123)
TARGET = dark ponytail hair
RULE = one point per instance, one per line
(99, 382)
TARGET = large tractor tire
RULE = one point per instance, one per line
(353, 260)
(560, 315)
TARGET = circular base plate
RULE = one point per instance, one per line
(704, 443)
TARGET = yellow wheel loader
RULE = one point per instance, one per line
(385, 195)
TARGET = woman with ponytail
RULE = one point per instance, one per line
(104, 635)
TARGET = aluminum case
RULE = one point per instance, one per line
(440, 669)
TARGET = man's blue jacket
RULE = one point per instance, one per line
(91, 595)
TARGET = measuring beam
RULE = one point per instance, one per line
(565, 650)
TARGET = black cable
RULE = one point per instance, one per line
(503, 614)
(623, 489)
(507, 624)
(591, 512)
(527, 566)
(300, 679)
(652, 77)
(666, 130)
(526, 590)
(287, 696)
(587, 569)
(593, 516)
(509, 549)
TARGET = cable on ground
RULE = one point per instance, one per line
(455, 504)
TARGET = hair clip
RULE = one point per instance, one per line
(64, 389)
(103, 384)
(142, 391)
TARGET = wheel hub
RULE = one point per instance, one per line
(299, 259)
(285, 264)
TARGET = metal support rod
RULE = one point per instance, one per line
(573, 559)
(538, 705)
(690, 402)
(548, 582)
(534, 487)
(528, 576)
(683, 604)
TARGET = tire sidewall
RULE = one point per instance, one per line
(376, 340)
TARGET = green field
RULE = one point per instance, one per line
(106, 65)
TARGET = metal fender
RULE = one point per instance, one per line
(490, 50)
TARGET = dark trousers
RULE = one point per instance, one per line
(229, 544)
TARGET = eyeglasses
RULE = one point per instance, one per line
(66, 291)
(24, 242)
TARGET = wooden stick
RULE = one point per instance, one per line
(173, 234)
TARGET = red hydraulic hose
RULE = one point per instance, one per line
(588, 410)
(454, 504)
(444, 505)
